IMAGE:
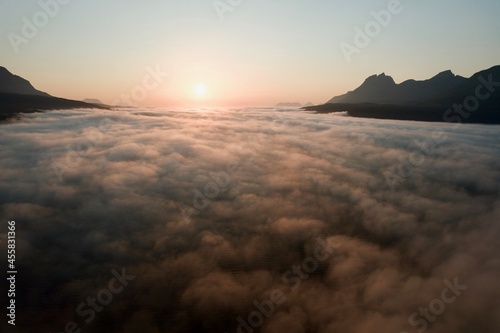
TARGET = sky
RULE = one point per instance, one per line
(254, 52)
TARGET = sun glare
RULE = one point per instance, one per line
(200, 90)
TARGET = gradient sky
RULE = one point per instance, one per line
(264, 52)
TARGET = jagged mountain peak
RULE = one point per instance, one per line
(380, 79)
(382, 89)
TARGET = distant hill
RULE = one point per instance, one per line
(289, 105)
(17, 95)
(93, 101)
(440, 98)
(13, 84)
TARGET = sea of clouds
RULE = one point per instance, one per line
(251, 220)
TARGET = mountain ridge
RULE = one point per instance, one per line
(445, 97)
(14, 84)
(383, 89)
(17, 95)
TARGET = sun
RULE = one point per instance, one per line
(200, 90)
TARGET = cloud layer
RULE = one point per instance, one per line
(214, 210)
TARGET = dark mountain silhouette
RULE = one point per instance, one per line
(13, 84)
(17, 95)
(382, 89)
(445, 97)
